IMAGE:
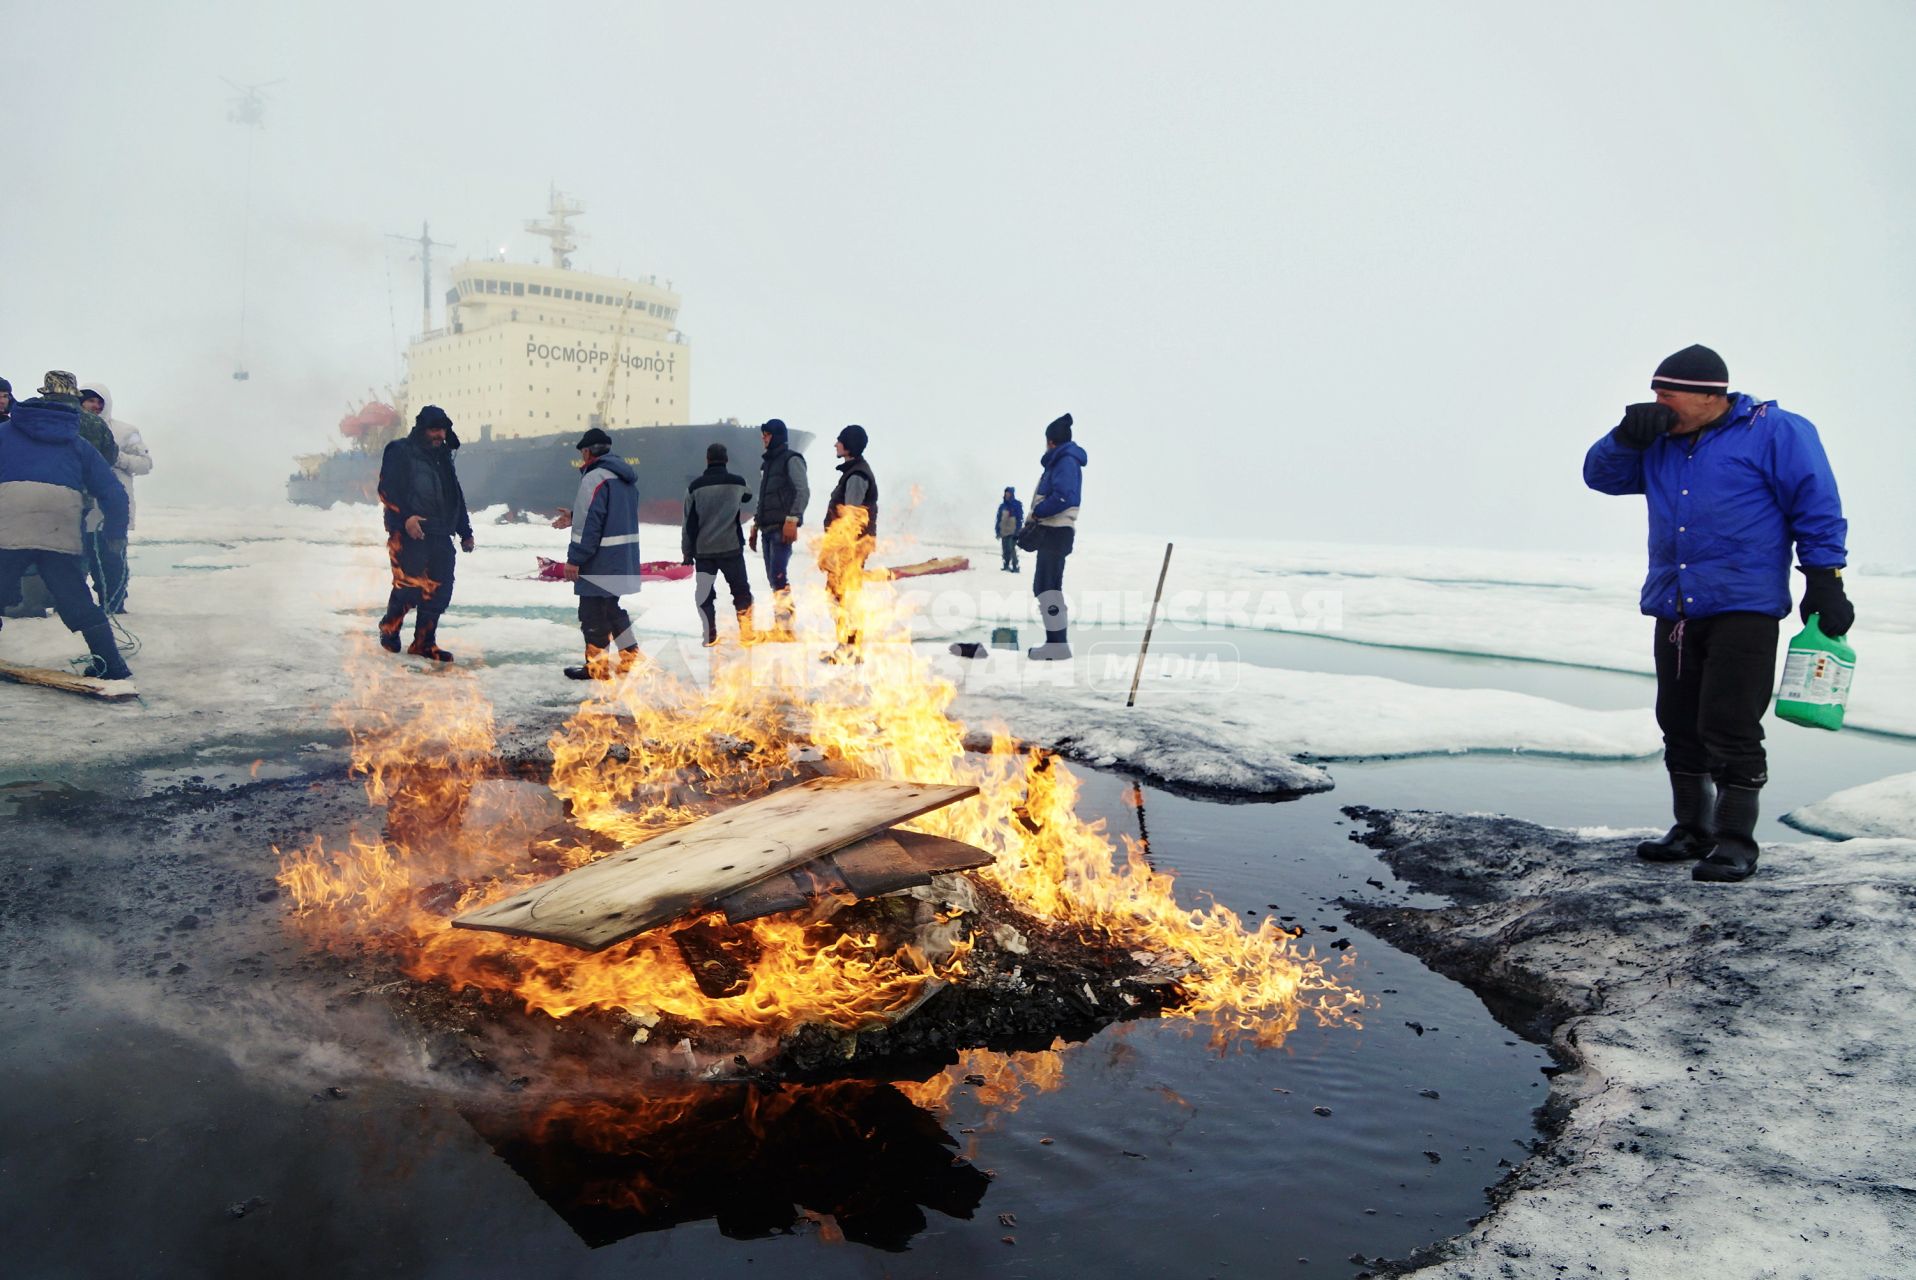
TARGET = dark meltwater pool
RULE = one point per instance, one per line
(181, 1094)
(260, 1130)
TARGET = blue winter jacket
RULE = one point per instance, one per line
(45, 469)
(1062, 484)
(1017, 510)
(605, 529)
(1726, 504)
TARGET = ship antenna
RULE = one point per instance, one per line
(249, 109)
(426, 245)
(559, 231)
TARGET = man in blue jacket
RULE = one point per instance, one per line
(1732, 484)
(46, 474)
(1005, 526)
(1054, 509)
(602, 561)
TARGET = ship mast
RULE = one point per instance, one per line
(426, 245)
(559, 231)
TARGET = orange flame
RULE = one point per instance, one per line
(648, 752)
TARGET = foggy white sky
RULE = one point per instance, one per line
(1366, 273)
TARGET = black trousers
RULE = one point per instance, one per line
(1714, 680)
(705, 586)
(1047, 580)
(1009, 545)
(65, 579)
(603, 621)
(422, 579)
(106, 562)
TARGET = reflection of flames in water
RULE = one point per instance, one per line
(651, 752)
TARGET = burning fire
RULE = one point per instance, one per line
(651, 751)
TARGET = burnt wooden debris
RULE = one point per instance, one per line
(696, 866)
(883, 863)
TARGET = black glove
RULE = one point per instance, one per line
(1642, 424)
(1823, 594)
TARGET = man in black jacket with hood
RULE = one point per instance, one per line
(854, 503)
(424, 507)
(783, 491)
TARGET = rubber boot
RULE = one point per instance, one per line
(1734, 857)
(745, 633)
(595, 666)
(708, 630)
(1693, 836)
(1054, 648)
(425, 641)
(389, 632)
(629, 659)
(107, 664)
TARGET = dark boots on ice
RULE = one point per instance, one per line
(1693, 836)
(1734, 857)
(107, 664)
(604, 664)
(425, 641)
(597, 666)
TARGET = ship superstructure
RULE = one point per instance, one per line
(529, 356)
(528, 350)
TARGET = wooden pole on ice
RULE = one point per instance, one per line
(1149, 624)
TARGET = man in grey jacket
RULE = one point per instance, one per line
(713, 541)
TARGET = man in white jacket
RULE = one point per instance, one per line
(110, 574)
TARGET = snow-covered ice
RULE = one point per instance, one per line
(245, 618)
(1742, 1056)
(1884, 808)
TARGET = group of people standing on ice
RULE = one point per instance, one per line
(66, 509)
(425, 511)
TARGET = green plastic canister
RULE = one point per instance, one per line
(1816, 677)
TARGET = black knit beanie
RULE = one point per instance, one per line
(432, 416)
(1695, 368)
(775, 428)
(854, 439)
(1059, 431)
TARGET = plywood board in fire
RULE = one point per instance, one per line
(882, 863)
(936, 855)
(662, 879)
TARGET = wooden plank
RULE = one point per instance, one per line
(788, 892)
(721, 958)
(67, 682)
(946, 564)
(878, 865)
(882, 863)
(937, 854)
(669, 876)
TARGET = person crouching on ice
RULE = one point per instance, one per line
(425, 507)
(1733, 484)
(602, 562)
(712, 540)
(46, 474)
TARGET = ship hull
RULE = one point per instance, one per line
(539, 474)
